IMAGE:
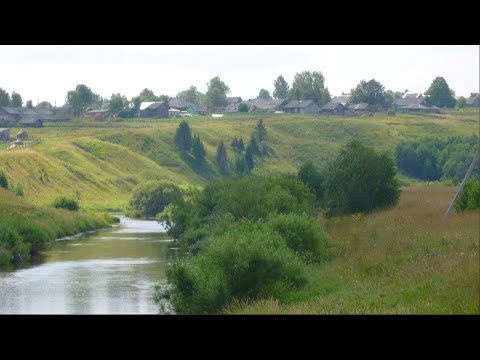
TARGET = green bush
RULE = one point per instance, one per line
(64, 202)
(360, 180)
(469, 199)
(310, 176)
(3, 180)
(303, 234)
(150, 198)
(246, 262)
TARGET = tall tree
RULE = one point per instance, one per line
(183, 137)
(148, 95)
(370, 92)
(264, 94)
(461, 102)
(117, 103)
(4, 98)
(80, 98)
(222, 159)
(217, 92)
(391, 96)
(29, 104)
(198, 150)
(249, 158)
(73, 99)
(260, 131)
(281, 88)
(192, 95)
(309, 86)
(241, 165)
(439, 93)
(16, 100)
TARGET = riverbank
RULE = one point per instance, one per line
(27, 229)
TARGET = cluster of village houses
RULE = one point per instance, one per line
(339, 105)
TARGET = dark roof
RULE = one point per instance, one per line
(332, 106)
(156, 105)
(410, 100)
(29, 120)
(294, 104)
(343, 99)
(412, 95)
(177, 103)
(263, 104)
(10, 110)
(43, 111)
(234, 99)
(471, 100)
(231, 108)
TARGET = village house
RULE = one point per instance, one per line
(342, 99)
(151, 109)
(362, 107)
(234, 100)
(272, 105)
(9, 116)
(473, 102)
(414, 102)
(334, 108)
(4, 135)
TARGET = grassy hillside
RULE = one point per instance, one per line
(405, 260)
(100, 163)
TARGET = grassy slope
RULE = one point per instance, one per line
(100, 166)
(405, 260)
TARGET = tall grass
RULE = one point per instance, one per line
(405, 260)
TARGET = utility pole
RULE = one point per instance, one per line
(465, 179)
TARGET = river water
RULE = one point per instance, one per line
(111, 271)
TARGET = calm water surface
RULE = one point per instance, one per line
(111, 271)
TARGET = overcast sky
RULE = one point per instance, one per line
(46, 73)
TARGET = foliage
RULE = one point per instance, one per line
(439, 93)
(151, 198)
(183, 136)
(391, 96)
(249, 158)
(253, 145)
(370, 92)
(281, 88)
(3, 180)
(29, 104)
(192, 95)
(264, 94)
(245, 262)
(221, 159)
(461, 102)
(469, 198)
(65, 202)
(360, 180)
(198, 149)
(260, 131)
(434, 158)
(243, 107)
(117, 103)
(237, 145)
(241, 165)
(309, 86)
(16, 100)
(311, 177)
(4, 98)
(80, 98)
(217, 92)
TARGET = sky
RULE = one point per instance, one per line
(48, 72)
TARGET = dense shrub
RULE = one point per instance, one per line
(246, 262)
(360, 180)
(64, 202)
(150, 198)
(311, 176)
(469, 199)
(3, 180)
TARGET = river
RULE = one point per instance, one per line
(110, 271)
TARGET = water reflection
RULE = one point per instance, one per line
(111, 271)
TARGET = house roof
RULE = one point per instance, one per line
(199, 108)
(411, 100)
(232, 107)
(342, 99)
(150, 105)
(29, 120)
(234, 99)
(11, 110)
(332, 106)
(294, 104)
(471, 100)
(412, 95)
(178, 103)
(4, 129)
(263, 104)
(98, 111)
(361, 106)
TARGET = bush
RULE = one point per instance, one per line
(3, 180)
(360, 180)
(469, 199)
(246, 262)
(150, 198)
(64, 202)
(310, 176)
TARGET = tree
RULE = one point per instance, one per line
(73, 99)
(391, 96)
(240, 145)
(243, 107)
(260, 131)
(150, 198)
(3, 180)
(254, 145)
(29, 104)
(281, 88)
(264, 94)
(241, 165)
(309, 86)
(79, 99)
(461, 102)
(117, 103)
(360, 180)
(310, 176)
(222, 159)
(439, 93)
(147, 95)
(192, 95)
(17, 100)
(183, 137)
(249, 158)
(198, 149)
(217, 92)
(370, 92)
(4, 98)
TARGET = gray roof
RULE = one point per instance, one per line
(156, 105)
(44, 111)
(234, 99)
(11, 110)
(410, 100)
(294, 104)
(151, 105)
(178, 103)
(98, 111)
(4, 129)
(263, 104)
(199, 108)
(471, 100)
(232, 108)
(412, 95)
(343, 99)
(358, 107)
(29, 120)
(332, 106)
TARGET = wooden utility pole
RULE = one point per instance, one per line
(465, 179)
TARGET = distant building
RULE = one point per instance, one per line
(342, 99)
(31, 122)
(333, 108)
(414, 102)
(473, 102)
(4, 134)
(9, 116)
(153, 110)
(362, 107)
(302, 107)
(90, 114)
(271, 105)
(234, 100)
